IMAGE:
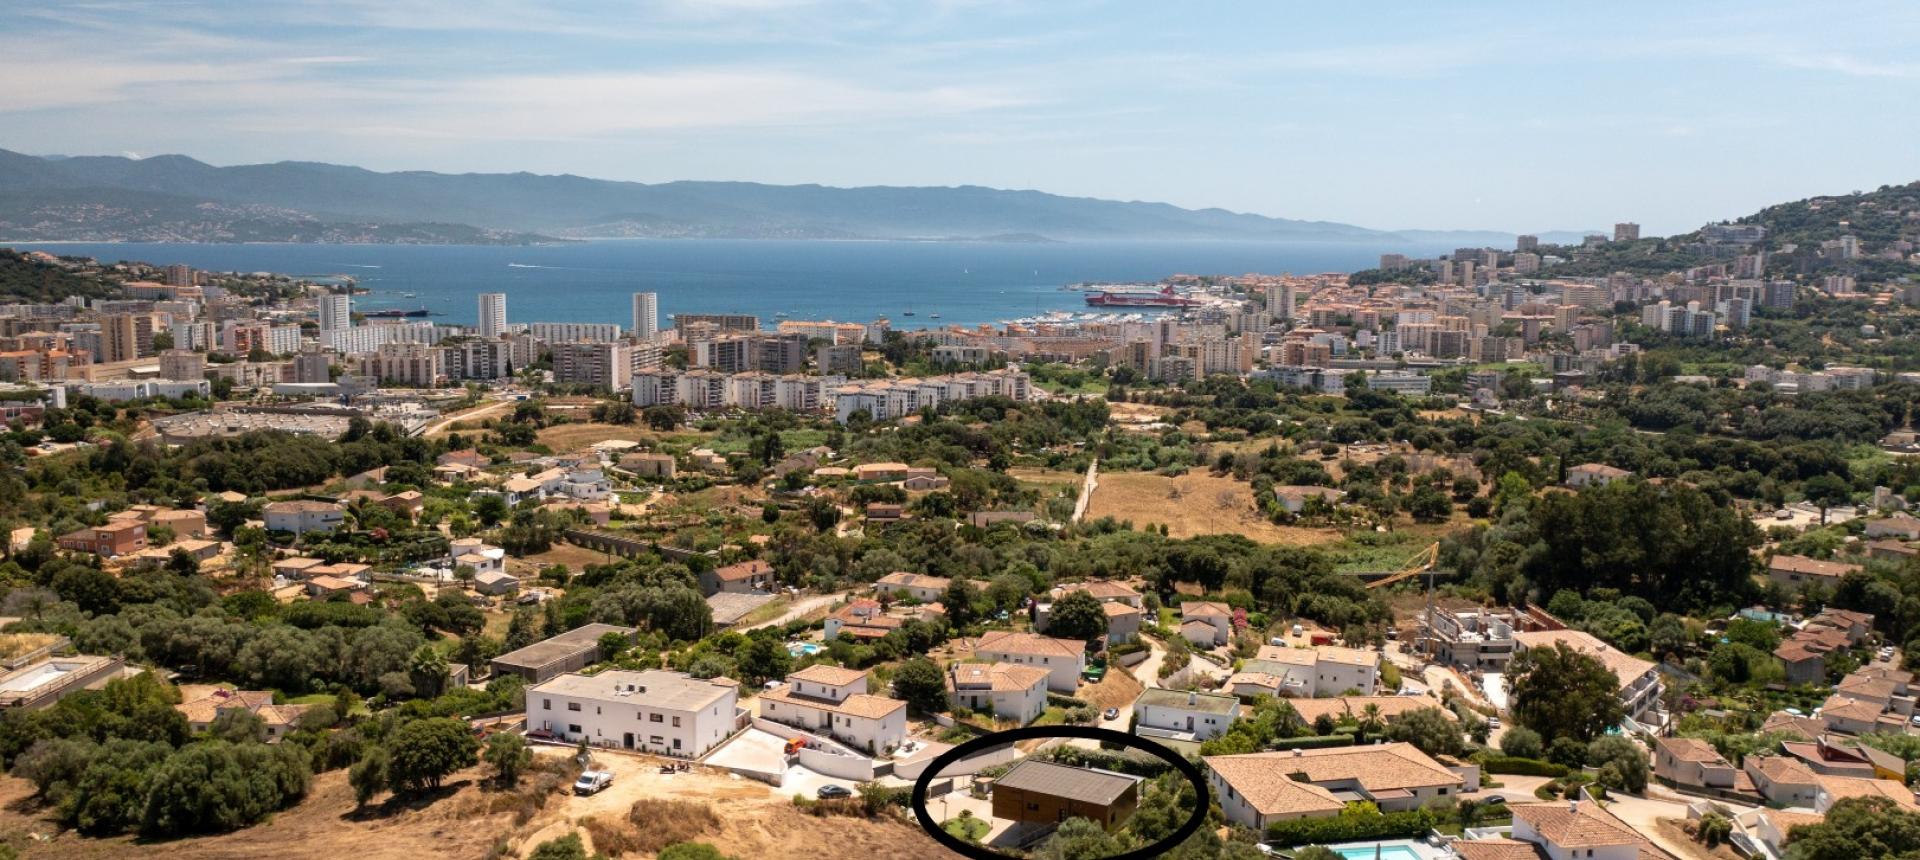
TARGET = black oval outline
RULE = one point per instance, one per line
(1202, 797)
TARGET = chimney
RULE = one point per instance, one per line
(1298, 752)
(1192, 698)
(1573, 805)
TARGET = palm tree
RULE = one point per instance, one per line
(1370, 722)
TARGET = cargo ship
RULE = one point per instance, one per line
(397, 313)
(1162, 299)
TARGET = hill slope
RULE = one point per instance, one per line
(109, 194)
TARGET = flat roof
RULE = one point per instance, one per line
(560, 647)
(653, 687)
(1093, 786)
(1211, 703)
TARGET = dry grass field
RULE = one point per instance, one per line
(573, 437)
(1196, 503)
(1047, 478)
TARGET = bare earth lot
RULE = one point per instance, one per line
(466, 822)
(1193, 504)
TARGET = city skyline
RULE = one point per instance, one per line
(1495, 116)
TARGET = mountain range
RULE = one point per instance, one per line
(176, 198)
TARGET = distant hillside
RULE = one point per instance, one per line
(178, 198)
(23, 279)
(1881, 220)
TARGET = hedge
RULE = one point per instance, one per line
(1521, 766)
(1351, 828)
(1059, 701)
(1128, 761)
(1313, 742)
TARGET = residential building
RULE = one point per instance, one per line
(574, 332)
(919, 586)
(1042, 792)
(571, 651)
(603, 365)
(336, 311)
(653, 711)
(1352, 709)
(1294, 499)
(1595, 475)
(182, 364)
(1258, 789)
(279, 720)
(835, 701)
(860, 619)
(1475, 640)
(1902, 526)
(1693, 764)
(1794, 572)
(1176, 715)
(1639, 680)
(1064, 659)
(493, 315)
(109, 541)
(1322, 670)
(1008, 691)
(1563, 831)
(1206, 624)
(126, 337)
(1782, 780)
(753, 576)
(646, 316)
(301, 517)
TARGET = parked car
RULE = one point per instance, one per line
(1493, 722)
(1493, 798)
(592, 782)
(833, 792)
(1110, 714)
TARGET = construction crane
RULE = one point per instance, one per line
(1421, 562)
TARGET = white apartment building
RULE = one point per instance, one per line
(302, 516)
(574, 332)
(336, 311)
(646, 316)
(493, 314)
(1011, 692)
(1183, 715)
(835, 701)
(599, 364)
(886, 400)
(1064, 659)
(655, 711)
(1323, 670)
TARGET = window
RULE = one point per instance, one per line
(655, 718)
(573, 706)
(676, 722)
(573, 728)
(657, 739)
(546, 704)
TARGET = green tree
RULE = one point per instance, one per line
(424, 752)
(920, 684)
(368, 776)
(1078, 615)
(1080, 839)
(214, 786)
(1563, 693)
(692, 851)
(1522, 742)
(508, 755)
(1858, 828)
(1429, 729)
(1621, 763)
(567, 847)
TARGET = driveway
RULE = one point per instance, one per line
(798, 610)
(766, 752)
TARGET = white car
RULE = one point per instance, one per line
(592, 782)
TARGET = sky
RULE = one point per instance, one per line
(1511, 116)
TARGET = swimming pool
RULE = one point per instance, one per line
(1381, 850)
(804, 649)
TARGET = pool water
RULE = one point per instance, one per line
(1387, 852)
(804, 649)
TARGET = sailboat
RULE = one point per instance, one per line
(908, 312)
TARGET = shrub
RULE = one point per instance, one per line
(1312, 742)
(660, 823)
(1521, 766)
(1351, 828)
(1522, 742)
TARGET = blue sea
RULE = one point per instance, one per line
(965, 283)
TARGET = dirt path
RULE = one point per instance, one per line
(487, 411)
(800, 609)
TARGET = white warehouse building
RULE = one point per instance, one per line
(655, 711)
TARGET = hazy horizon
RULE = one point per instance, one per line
(1499, 116)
